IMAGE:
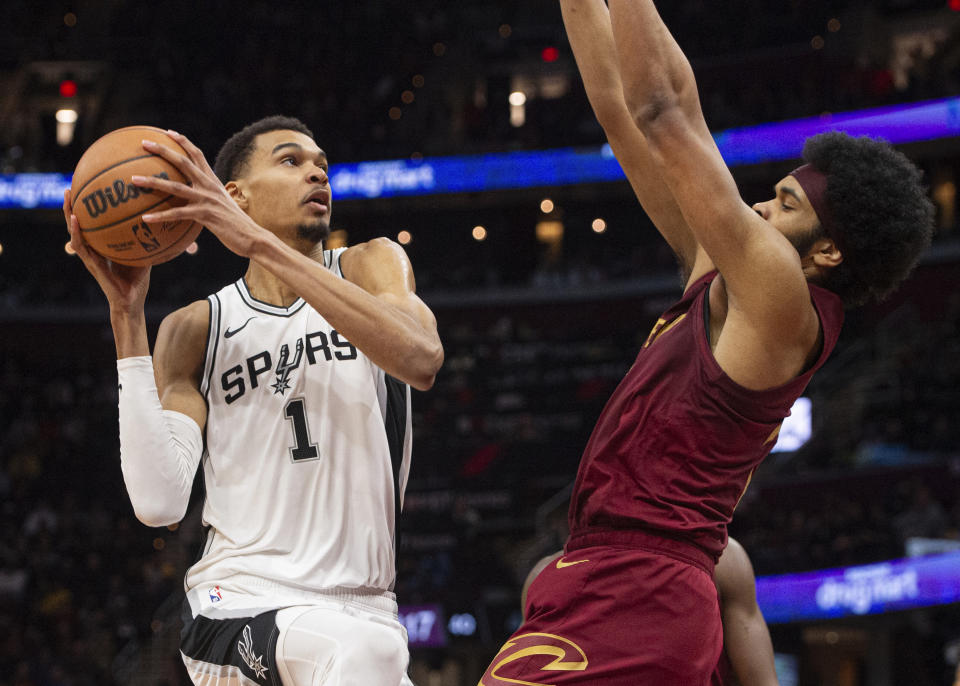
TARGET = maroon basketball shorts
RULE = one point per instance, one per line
(622, 616)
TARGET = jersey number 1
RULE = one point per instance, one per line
(303, 449)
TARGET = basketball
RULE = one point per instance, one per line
(108, 206)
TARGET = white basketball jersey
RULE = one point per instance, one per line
(307, 450)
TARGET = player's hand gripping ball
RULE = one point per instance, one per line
(108, 206)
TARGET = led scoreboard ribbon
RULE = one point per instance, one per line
(29, 191)
(862, 590)
(907, 123)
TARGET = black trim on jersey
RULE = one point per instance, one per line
(706, 313)
(331, 260)
(212, 359)
(265, 307)
(200, 480)
(206, 538)
(395, 423)
(268, 308)
(218, 642)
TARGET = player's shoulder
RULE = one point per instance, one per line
(381, 248)
(187, 324)
(374, 260)
(734, 550)
(734, 573)
(196, 313)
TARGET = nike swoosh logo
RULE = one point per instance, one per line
(234, 332)
(561, 564)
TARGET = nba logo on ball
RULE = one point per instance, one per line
(215, 596)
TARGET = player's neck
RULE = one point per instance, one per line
(268, 288)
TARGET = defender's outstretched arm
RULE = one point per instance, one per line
(771, 326)
(591, 37)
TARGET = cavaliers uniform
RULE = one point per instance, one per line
(633, 600)
(723, 673)
(307, 451)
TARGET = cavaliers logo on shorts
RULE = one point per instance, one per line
(533, 656)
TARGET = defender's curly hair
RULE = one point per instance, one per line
(881, 211)
(235, 153)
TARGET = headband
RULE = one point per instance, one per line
(814, 185)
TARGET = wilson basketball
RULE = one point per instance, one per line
(108, 205)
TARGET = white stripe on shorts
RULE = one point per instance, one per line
(206, 674)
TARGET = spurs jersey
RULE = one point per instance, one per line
(307, 450)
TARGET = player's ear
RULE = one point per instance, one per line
(826, 253)
(236, 192)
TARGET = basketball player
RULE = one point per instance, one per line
(293, 384)
(747, 657)
(633, 601)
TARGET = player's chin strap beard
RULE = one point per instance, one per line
(314, 232)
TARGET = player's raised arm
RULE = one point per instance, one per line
(160, 440)
(383, 317)
(374, 306)
(760, 267)
(588, 29)
(381, 267)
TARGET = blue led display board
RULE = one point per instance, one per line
(29, 191)
(864, 590)
(908, 123)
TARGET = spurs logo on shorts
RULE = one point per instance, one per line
(558, 655)
(245, 648)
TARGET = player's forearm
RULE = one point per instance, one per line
(159, 450)
(130, 333)
(661, 94)
(762, 672)
(750, 650)
(587, 23)
(591, 38)
(656, 75)
(392, 339)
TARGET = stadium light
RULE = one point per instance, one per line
(518, 109)
(66, 126)
(68, 88)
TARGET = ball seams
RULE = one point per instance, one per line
(127, 218)
(103, 171)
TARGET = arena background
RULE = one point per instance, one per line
(539, 319)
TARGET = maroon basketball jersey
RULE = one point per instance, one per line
(677, 443)
(723, 673)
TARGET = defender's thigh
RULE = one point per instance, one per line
(320, 646)
(618, 617)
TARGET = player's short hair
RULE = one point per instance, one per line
(233, 156)
(882, 215)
